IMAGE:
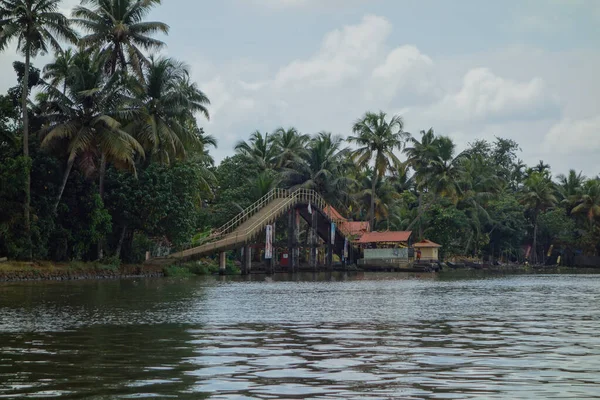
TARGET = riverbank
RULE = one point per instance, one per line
(45, 270)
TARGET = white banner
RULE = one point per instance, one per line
(332, 233)
(269, 242)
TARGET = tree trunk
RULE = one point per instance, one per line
(534, 247)
(64, 183)
(101, 192)
(120, 244)
(27, 204)
(102, 175)
(420, 215)
(373, 184)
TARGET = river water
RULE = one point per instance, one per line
(368, 336)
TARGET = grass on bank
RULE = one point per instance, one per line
(202, 267)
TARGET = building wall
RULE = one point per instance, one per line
(429, 253)
(378, 254)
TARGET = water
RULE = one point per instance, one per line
(328, 336)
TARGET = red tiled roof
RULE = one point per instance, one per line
(333, 212)
(426, 243)
(389, 236)
(356, 227)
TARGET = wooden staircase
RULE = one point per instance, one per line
(251, 222)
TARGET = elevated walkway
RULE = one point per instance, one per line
(251, 222)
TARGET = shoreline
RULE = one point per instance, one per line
(49, 271)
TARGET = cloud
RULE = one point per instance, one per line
(574, 136)
(343, 55)
(404, 69)
(485, 96)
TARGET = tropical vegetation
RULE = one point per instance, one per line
(103, 156)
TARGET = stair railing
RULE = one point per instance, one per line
(297, 196)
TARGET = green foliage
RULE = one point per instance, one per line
(177, 271)
(109, 103)
(447, 226)
(556, 227)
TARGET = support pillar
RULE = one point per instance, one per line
(247, 259)
(296, 258)
(293, 232)
(290, 237)
(329, 259)
(222, 262)
(314, 240)
(275, 261)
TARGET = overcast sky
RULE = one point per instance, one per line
(471, 69)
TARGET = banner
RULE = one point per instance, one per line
(345, 249)
(269, 242)
(332, 233)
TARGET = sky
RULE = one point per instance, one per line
(526, 69)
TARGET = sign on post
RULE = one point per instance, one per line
(333, 233)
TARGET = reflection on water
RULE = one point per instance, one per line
(326, 336)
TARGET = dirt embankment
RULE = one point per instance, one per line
(39, 271)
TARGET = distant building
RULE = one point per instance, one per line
(428, 249)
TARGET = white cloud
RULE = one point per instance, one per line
(405, 68)
(574, 136)
(343, 55)
(486, 96)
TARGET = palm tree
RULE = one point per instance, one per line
(37, 26)
(260, 150)
(589, 201)
(321, 169)
(57, 72)
(118, 28)
(291, 145)
(444, 171)
(420, 154)
(385, 196)
(377, 139)
(538, 196)
(262, 184)
(163, 107)
(569, 187)
(82, 118)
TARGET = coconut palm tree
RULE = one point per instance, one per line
(377, 139)
(291, 145)
(37, 26)
(260, 150)
(538, 195)
(163, 107)
(589, 201)
(444, 172)
(321, 169)
(82, 118)
(420, 154)
(57, 72)
(569, 188)
(118, 28)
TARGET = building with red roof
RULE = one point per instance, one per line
(397, 238)
(428, 249)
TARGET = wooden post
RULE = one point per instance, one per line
(222, 262)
